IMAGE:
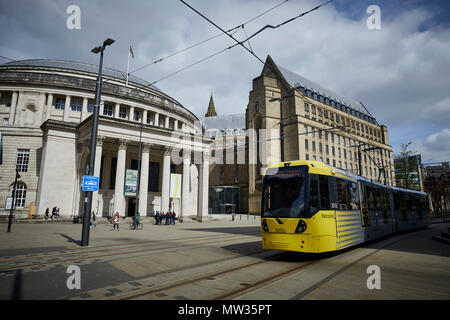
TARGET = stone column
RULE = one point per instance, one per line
(12, 111)
(185, 183)
(166, 125)
(18, 110)
(97, 165)
(49, 106)
(40, 113)
(143, 180)
(119, 196)
(175, 125)
(203, 188)
(165, 188)
(101, 108)
(67, 109)
(84, 110)
(156, 120)
(131, 115)
(144, 116)
(116, 111)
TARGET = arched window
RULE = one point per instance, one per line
(21, 194)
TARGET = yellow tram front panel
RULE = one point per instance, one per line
(319, 236)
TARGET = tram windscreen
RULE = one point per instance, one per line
(284, 191)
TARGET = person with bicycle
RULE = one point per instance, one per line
(53, 213)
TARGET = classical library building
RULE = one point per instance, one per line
(46, 117)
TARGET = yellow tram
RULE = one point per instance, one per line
(307, 206)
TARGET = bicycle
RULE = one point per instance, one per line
(139, 226)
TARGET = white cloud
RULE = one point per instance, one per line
(435, 147)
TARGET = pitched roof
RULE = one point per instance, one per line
(318, 92)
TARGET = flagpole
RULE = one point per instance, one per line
(128, 64)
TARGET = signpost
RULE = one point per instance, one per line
(90, 183)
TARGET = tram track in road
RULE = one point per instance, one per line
(184, 283)
(7, 265)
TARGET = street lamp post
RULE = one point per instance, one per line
(13, 204)
(98, 92)
(138, 176)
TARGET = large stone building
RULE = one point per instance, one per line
(45, 118)
(319, 124)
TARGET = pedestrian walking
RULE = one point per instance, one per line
(157, 217)
(93, 220)
(173, 217)
(53, 213)
(47, 212)
(167, 218)
(116, 221)
(163, 217)
(233, 215)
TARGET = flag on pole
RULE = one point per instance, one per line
(131, 51)
(128, 64)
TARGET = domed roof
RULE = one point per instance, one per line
(78, 66)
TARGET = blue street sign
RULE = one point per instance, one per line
(90, 183)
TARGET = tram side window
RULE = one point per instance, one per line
(370, 194)
(343, 199)
(396, 201)
(325, 203)
(353, 195)
(379, 202)
(314, 204)
(408, 201)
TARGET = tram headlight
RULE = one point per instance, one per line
(301, 226)
(264, 226)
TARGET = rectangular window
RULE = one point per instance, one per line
(137, 115)
(23, 158)
(76, 105)
(90, 107)
(313, 144)
(123, 112)
(320, 147)
(327, 149)
(307, 156)
(342, 195)
(6, 98)
(306, 107)
(325, 203)
(60, 103)
(108, 110)
(306, 144)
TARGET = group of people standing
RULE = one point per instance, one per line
(165, 218)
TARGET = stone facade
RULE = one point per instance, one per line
(318, 125)
(46, 109)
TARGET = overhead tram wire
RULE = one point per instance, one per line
(241, 43)
(211, 38)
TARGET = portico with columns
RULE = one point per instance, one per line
(163, 152)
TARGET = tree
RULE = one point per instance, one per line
(406, 165)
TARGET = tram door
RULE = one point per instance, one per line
(364, 205)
